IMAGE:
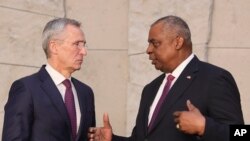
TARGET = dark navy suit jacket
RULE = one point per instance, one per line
(35, 110)
(211, 89)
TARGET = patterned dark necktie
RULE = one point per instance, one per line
(70, 105)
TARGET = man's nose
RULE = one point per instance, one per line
(149, 49)
(83, 51)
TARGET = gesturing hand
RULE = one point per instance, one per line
(101, 133)
(191, 121)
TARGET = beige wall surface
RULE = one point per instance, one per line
(106, 67)
(117, 67)
(229, 46)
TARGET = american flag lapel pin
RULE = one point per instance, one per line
(188, 77)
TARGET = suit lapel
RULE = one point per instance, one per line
(82, 103)
(178, 89)
(150, 98)
(53, 93)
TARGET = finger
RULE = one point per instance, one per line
(93, 137)
(106, 122)
(177, 113)
(90, 136)
(176, 120)
(190, 106)
(92, 129)
(177, 116)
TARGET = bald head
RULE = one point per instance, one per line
(176, 26)
(169, 43)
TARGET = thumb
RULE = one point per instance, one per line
(190, 106)
(106, 122)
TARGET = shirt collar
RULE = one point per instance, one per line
(57, 77)
(177, 72)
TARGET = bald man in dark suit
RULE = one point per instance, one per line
(202, 99)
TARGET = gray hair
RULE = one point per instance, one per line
(54, 28)
(178, 25)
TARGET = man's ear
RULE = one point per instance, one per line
(179, 42)
(52, 47)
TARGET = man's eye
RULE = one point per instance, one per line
(80, 44)
(156, 44)
(76, 43)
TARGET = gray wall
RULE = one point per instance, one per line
(116, 66)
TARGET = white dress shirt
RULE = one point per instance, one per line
(176, 73)
(58, 78)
